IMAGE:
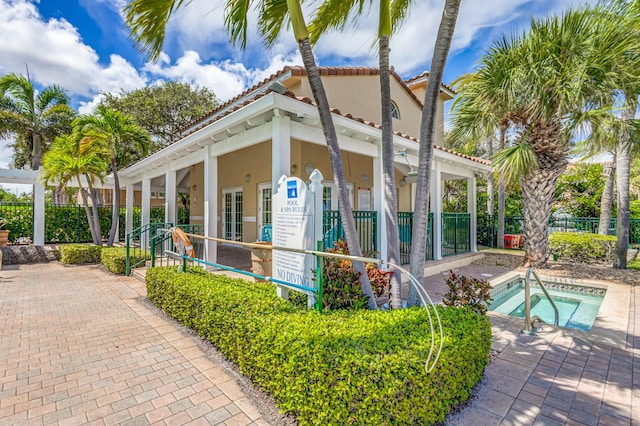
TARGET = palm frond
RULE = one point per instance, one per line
(514, 162)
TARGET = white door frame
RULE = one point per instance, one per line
(234, 214)
(261, 188)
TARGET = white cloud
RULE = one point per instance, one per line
(225, 78)
(55, 53)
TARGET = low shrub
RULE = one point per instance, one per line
(340, 367)
(115, 259)
(634, 264)
(341, 283)
(79, 253)
(582, 246)
(471, 292)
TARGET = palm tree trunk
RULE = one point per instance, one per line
(329, 130)
(96, 215)
(427, 141)
(538, 188)
(623, 167)
(390, 195)
(606, 199)
(87, 210)
(115, 208)
(502, 195)
(36, 154)
(490, 184)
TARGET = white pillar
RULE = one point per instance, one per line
(170, 197)
(436, 208)
(472, 209)
(210, 204)
(130, 196)
(38, 214)
(379, 203)
(280, 164)
(145, 201)
(280, 149)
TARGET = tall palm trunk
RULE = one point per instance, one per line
(606, 199)
(490, 184)
(390, 196)
(329, 130)
(502, 195)
(623, 167)
(115, 208)
(538, 188)
(95, 236)
(36, 154)
(93, 193)
(427, 141)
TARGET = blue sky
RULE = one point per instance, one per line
(83, 45)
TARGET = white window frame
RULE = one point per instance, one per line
(233, 191)
(261, 188)
(334, 193)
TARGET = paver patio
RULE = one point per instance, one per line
(78, 346)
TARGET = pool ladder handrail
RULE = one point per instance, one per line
(528, 324)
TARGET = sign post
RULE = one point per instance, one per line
(297, 223)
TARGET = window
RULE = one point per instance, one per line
(395, 112)
(330, 195)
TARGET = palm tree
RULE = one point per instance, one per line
(334, 14)
(65, 161)
(546, 81)
(427, 142)
(147, 21)
(121, 134)
(33, 118)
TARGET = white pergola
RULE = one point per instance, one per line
(29, 177)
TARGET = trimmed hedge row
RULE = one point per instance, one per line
(113, 258)
(582, 246)
(342, 367)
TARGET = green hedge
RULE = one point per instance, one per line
(582, 246)
(343, 367)
(115, 259)
(79, 253)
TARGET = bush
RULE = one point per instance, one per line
(79, 253)
(341, 367)
(115, 259)
(471, 292)
(582, 246)
(341, 283)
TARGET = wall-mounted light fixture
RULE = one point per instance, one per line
(247, 177)
(294, 169)
(364, 177)
(412, 171)
(308, 168)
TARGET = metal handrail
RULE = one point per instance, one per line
(527, 300)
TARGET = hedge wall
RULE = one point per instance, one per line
(113, 258)
(582, 246)
(344, 367)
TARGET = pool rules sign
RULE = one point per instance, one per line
(297, 223)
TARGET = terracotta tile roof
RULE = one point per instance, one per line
(300, 71)
(378, 126)
(426, 75)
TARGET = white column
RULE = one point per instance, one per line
(280, 149)
(472, 209)
(38, 214)
(436, 209)
(280, 164)
(170, 197)
(146, 201)
(210, 204)
(130, 196)
(379, 203)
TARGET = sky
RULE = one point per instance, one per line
(84, 45)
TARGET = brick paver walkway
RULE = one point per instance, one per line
(557, 378)
(77, 346)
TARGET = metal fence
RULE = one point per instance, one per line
(18, 219)
(405, 232)
(456, 233)
(488, 227)
(366, 227)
